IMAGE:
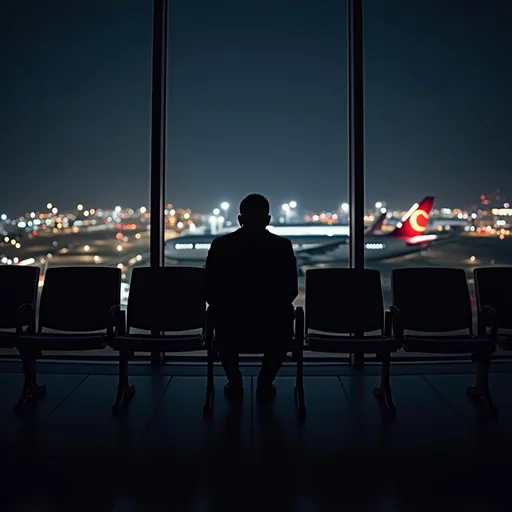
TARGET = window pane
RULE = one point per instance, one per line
(437, 84)
(258, 103)
(75, 133)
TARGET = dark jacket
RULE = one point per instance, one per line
(252, 275)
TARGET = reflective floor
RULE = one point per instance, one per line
(70, 453)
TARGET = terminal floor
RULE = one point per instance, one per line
(441, 453)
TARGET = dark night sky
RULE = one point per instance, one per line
(257, 101)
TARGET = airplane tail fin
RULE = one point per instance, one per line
(377, 223)
(415, 221)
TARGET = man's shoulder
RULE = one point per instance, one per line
(278, 241)
(228, 238)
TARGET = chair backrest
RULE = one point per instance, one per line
(493, 287)
(432, 299)
(79, 299)
(18, 286)
(344, 301)
(166, 299)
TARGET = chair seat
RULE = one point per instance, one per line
(338, 343)
(451, 344)
(66, 341)
(7, 339)
(168, 343)
(257, 346)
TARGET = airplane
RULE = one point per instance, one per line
(328, 244)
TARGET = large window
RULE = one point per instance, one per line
(257, 103)
(437, 115)
(75, 124)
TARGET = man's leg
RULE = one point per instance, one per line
(272, 362)
(229, 357)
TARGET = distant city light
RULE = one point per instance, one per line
(86, 213)
(221, 219)
(6, 239)
(316, 218)
(79, 207)
(293, 204)
(286, 207)
(378, 205)
(180, 225)
(49, 206)
(345, 207)
(172, 211)
(97, 259)
(55, 211)
(143, 209)
(120, 266)
(216, 211)
(117, 209)
(119, 248)
(4, 216)
(186, 216)
(13, 242)
(87, 248)
(224, 205)
(18, 245)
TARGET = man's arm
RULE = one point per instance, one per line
(213, 274)
(292, 279)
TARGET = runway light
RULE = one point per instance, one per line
(472, 258)
(86, 248)
(119, 248)
(18, 246)
(137, 236)
(13, 242)
(6, 239)
(97, 259)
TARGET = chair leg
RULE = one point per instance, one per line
(210, 386)
(383, 392)
(31, 389)
(125, 392)
(480, 390)
(298, 391)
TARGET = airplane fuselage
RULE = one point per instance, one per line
(308, 248)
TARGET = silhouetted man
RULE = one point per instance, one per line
(251, 283)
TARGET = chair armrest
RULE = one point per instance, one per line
(299, 325)
(388, 324)
(113, 321)
(25, 317)
(487, 315)
(396, 321)
(209, 328)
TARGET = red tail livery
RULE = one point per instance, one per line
(415, 221)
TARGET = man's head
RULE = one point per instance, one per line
(254, 212)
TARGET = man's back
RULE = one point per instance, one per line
(251, 270)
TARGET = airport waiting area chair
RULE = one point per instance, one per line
(431, 306)
(493, 286)
(80, 305)
(168, 303)
(18, 298)
(343, 308)
(294, 352)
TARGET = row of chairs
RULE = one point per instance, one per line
(344, 313)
